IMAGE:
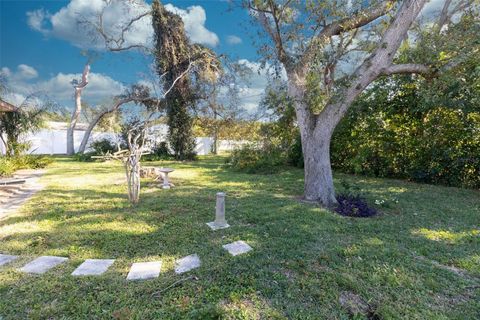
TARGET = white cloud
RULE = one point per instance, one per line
(63, 23)
(58, 88)
(194, 19)
(27, 72)
(23, 73)
(36, 19)
(232, 39)
(252, 90)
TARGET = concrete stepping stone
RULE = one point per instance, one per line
(237, 247)
(93, 267)
(5, 258)
(42, 264)
(144, 270)
(187, 263)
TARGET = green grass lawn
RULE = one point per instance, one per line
(303, 257)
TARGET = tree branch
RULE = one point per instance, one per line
(444, 15)
(360, 19)
(113, 43)
(379, 62)
(274, 34)
(84, 82)
(406, 69)
(335, 28)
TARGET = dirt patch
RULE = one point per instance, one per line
(356, 305)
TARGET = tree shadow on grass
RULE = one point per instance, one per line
(302, 257)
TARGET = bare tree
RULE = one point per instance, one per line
(78, 86)
(115, 39)
(136, 94)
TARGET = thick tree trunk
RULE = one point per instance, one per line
(318, 171)
(316, 130)
(316, 136)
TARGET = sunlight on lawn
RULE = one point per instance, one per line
(303, 256)
(7, 230)
(446, 235)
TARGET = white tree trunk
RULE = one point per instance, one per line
(78, 108)
(132, 169)
(88, 132)
(97, 118)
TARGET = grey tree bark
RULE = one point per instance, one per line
(97, 118)
(316, 129)
(78, 109)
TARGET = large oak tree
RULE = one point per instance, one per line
(316, 42)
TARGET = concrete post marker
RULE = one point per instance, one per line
(187, 263)
(93, 267)
(42, 264)
(220, 222)
(144, 270)
(5, 258)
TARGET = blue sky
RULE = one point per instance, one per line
(41, 45)
(38, 51)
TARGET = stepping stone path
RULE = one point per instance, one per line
(144, 270)
(5, 258)
(138, 270)
(187, 263)
(93, 267)
(42, 264)
(237, 247)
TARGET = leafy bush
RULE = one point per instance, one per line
(84, 157)
(103, 146)
(99, 148)
(252, 159)
(295, 153)
(354, 206)
(8, 165)
(391, 133)
(160, 151)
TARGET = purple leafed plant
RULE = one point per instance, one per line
(354, 206)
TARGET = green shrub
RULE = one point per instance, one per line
(8, 165)
(251, 159)
(437, 146)
(295, 153)
(103, 146)
(99, 148)
(84, 157)
(159, 152)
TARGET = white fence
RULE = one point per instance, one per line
(53, 140)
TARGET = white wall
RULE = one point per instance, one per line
(229, 145)
(54, 141)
